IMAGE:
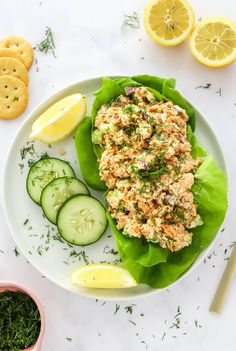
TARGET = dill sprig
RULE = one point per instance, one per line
(206, 86)
(47, 44)
(16, 252)
(117, 308)
(131, 21)
(132, 322)
(129, 309)
(219, 92)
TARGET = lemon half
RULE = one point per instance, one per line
(168, 22)
(102, 276)
(59, 120)
(213, 41)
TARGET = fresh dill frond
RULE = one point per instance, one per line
(16, 252)
(132, 21)
(129, 309)
(47, 44)
(206, 86)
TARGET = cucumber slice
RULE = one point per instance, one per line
(56, 192)
(81, 220)
(43, 172)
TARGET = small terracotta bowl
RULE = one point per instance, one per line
(10, 286)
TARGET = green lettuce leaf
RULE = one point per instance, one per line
(169, 91)
(197, 149)
(86, 156)
(150, 81)
(147, 262)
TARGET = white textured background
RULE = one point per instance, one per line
(89, 41)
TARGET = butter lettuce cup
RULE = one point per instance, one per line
(27, 317)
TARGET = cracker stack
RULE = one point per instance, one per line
(16, 57)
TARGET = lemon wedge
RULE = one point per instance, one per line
(59, 120)
(102, 276)
(168, 22)
(213, 41)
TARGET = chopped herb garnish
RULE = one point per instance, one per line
(176, 323)
(57, 237)
(26, 221)
(131, 21)
(219, 92)
(154, 174)
(163, 336)
(108, 250)
(132, 322)
(19, 322)
(16, 252)
(30, 162)
(44, 155)
(117, 308)
(27, 150)
(129, 309)
(47, 44)
(81, 255)
(129, 109)
(206, 86)
(180, 215)
(197, 325)
(21, 165)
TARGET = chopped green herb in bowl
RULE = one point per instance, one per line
(20, 320)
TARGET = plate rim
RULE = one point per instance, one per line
(25, 253)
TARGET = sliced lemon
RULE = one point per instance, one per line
(102, 276)
(59, 120)
(213, 41)
(168, 22)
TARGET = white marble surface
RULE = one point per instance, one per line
(90, 41)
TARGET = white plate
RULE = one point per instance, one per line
(36, 239)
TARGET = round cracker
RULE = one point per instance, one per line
(4, 52)
(21, 46)
(13, 97)
(13, 67)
